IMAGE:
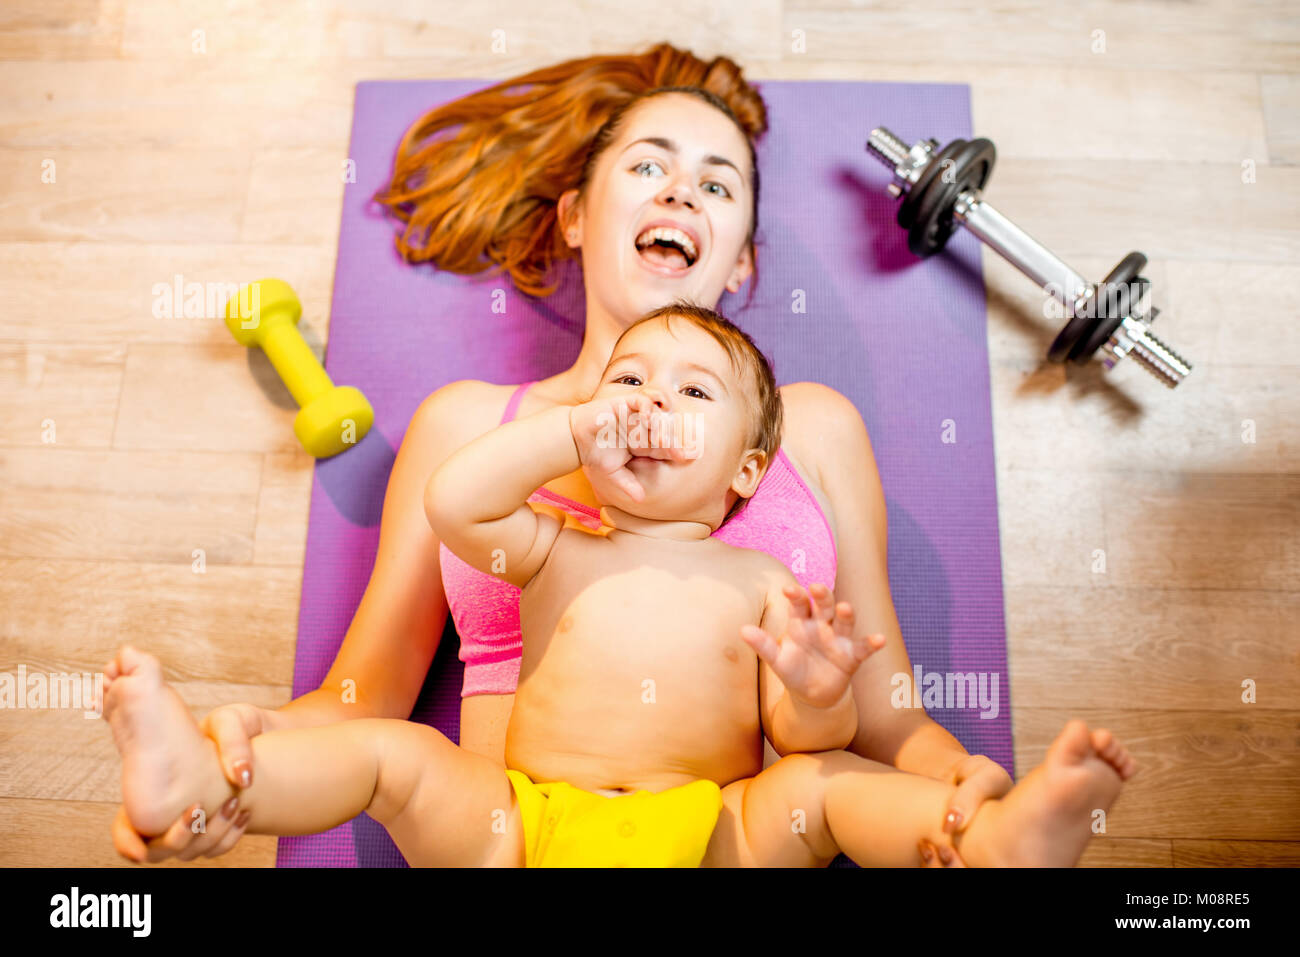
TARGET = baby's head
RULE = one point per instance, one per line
(723, 405)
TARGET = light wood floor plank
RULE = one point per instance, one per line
(232, 623)
(1203, 530)
(113, 293)
(54, 393)
(1145, 34)
(1157, 114)
(1236, 854)
(1281, 100)
(40, 833)
(179, 397)
(280, 537)
(1152, 648)
(1199, 772)
(122, 195)
(61, 30)
(141, 506)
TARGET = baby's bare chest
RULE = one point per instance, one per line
(645, 612)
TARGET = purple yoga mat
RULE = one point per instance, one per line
(903, 338)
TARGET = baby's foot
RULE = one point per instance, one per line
(1046, 819)
(161, 746)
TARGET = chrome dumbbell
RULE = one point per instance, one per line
(942, 189)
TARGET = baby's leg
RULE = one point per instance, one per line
(442, 805)
(807, 807)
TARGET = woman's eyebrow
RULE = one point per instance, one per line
(666, 144)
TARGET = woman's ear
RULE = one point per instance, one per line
(743, 270)
(567, 214)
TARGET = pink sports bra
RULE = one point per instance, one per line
(782, 518)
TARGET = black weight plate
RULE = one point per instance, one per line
(1082, 328)
(1074, 330)
(1111, 310)
(907, 210)
(971, 164)
(912, 201)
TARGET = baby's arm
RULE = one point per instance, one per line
(805, 694)
(477, 500)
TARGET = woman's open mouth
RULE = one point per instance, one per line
(666, 251)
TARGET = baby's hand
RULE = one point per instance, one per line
(818, 654)
(610, 431)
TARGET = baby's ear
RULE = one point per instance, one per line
(750, 473)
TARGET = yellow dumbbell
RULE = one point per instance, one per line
(332, 417)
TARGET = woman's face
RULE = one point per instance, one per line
(683, 179)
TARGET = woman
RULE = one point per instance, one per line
(657, 139)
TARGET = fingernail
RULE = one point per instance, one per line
(243, 772)
(926, 853)
(244, 815)
(228, 809)
(952, 822)
(945, 855)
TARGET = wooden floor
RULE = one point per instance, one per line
(127, 159)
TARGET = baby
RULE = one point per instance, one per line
(655, 659)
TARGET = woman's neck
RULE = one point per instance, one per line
(578, 382)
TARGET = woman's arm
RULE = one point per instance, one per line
(835, 441)
(397, 626)
(477, 499)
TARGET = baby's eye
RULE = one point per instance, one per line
(692, 388)
(619, 380)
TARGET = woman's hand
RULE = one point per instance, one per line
(232, 727)
(611, 432)
(978, 778)
(941, 856)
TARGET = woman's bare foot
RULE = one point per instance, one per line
(165, 757)
(1046, 820)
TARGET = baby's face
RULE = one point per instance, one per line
(687, 373)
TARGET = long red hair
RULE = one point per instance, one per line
(486, 191)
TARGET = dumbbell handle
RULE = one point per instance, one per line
(1020, 249)
(293, 359)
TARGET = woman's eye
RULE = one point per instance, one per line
(644, 163)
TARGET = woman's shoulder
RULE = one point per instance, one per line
(803, 399)
(817, 421)
(459, 412)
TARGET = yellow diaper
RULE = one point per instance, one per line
(565, 826)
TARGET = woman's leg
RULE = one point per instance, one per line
(409, 777)
(806, 808)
